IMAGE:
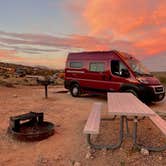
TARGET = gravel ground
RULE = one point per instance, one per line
(68, 145)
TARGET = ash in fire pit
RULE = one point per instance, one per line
(32, 129)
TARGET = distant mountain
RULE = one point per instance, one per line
(156, 63)
(42, 67)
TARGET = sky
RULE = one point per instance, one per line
(43, 32)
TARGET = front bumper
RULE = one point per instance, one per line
(154, 93)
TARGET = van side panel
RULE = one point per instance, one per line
(103, 81)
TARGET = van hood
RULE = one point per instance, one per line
(149, 80)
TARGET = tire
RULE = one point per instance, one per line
(75, 90)
(132, 91)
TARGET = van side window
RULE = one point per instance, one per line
(117, 68)
(76, 65)
(97, 67)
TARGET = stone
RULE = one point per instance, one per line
(15, 96)
(120, 148)
(104, 151)
(88, 155)
(77, 163)
(144, 152)
(160, 158)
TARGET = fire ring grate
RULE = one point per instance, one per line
(35, 129)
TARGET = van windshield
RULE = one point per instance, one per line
(138, 68)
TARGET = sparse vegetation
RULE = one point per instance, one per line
(12, 74)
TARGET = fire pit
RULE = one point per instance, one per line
(32, 129)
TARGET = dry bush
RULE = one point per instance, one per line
(7, 84)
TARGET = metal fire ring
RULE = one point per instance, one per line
(34, 129)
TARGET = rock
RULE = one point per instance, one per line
(88, 147)
(120, 148)
(88, 155)
(144, 152)
(104, 151)
(160, 158)
(77, 163)
(15, 96)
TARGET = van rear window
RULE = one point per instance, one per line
(76, 64)
(96, 67)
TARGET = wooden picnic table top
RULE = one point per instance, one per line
(127, 104)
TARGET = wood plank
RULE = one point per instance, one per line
(93, 123)
(159, 122)
(127, 104)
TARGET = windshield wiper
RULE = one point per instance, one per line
(150, 75)
(143, 74)
(137, 73)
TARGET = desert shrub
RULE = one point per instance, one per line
(163, 80)
(59, 81)
(61, 75)
(5, 76)
(7, 84)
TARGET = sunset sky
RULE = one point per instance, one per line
(42, 32)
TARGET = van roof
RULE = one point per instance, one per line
(91, 52)
(123, 55)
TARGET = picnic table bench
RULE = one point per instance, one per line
(93, 123)
(124, 105)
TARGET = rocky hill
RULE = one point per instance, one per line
(9, 68)
(14, 74)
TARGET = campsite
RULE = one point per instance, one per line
(68, 145)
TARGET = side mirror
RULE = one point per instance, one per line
(125, 73)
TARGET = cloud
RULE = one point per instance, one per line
(153, 44)
(6, 53)
(43, 43)
(31, 49)
(9, 55)
(122, 17)
(72, 41)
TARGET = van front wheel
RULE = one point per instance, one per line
(75, 90)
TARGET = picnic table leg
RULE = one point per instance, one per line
(155, 149)
(127, 127)
(112, 146)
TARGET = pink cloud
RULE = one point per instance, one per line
(10, 56)
(73, 41)
(122, 17)
(7, 53)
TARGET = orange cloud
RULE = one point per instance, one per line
(136, 26)
(9, 55)
(154, 44)
(89, 42)
(122, 17)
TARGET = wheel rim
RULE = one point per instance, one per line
(75, 90)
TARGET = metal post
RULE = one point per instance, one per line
(46, 91)
(127, 127)
(155, 149)
(135, 131)
(111, 146)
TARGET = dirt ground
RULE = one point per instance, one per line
(68, 145)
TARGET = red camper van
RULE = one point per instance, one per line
(110, 71)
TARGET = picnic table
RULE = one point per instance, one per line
(127, 107)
